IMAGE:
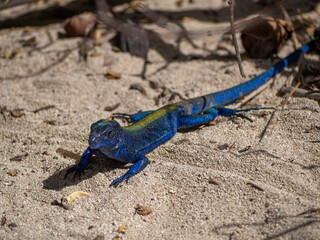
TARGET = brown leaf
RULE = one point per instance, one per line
(213, 181)
(16, 113)
(50, 122)
(112, 75)
(12, 173)
(179, 3)
(137, 86)
(265, 36)
(117, 238)
(112, 107)
(122, 228)
(143, 210)
(79, 26)
(69, 154)
(30, 42)
(19, 157)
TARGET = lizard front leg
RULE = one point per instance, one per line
(194, 120)
(131, 118)
(140, 162)
(81, 166)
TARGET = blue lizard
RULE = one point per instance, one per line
(150, 129)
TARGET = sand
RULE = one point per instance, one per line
(213, 182)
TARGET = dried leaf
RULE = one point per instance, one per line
(79, 26)
(117, 238)
(95, 54)
(73, 196)
(112, 107)
(265, 36)
(143, 210)
(11, 54)
(122, 228)
(112, 75)
(30, 42)
(69, 154)
(137, 86)
(19, 157)
(179, 3)
(16, 113)
(12, 173)
(97, 35)
(223, 146)
(50, 122)
(213, 181)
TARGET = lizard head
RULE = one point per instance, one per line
(105, 133)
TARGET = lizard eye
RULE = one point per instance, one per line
(109, 134)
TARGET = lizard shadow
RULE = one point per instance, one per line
(58, 181)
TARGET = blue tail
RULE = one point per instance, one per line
(230, 95)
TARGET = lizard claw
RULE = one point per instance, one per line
(123, 116)
(243, 116)
(117, 181)
(78, 170)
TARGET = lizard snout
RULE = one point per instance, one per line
(93, 141)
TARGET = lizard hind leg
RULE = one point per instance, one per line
(195, 120)
(235, 112)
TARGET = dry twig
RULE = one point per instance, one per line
(273, 114)
(234, 38)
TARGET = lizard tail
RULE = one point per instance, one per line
(231, 94)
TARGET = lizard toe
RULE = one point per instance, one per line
(123, 116)
(78, 170)
(117, 181)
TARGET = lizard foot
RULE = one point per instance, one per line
(117, 181)
(123, 116)
(77, 169)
